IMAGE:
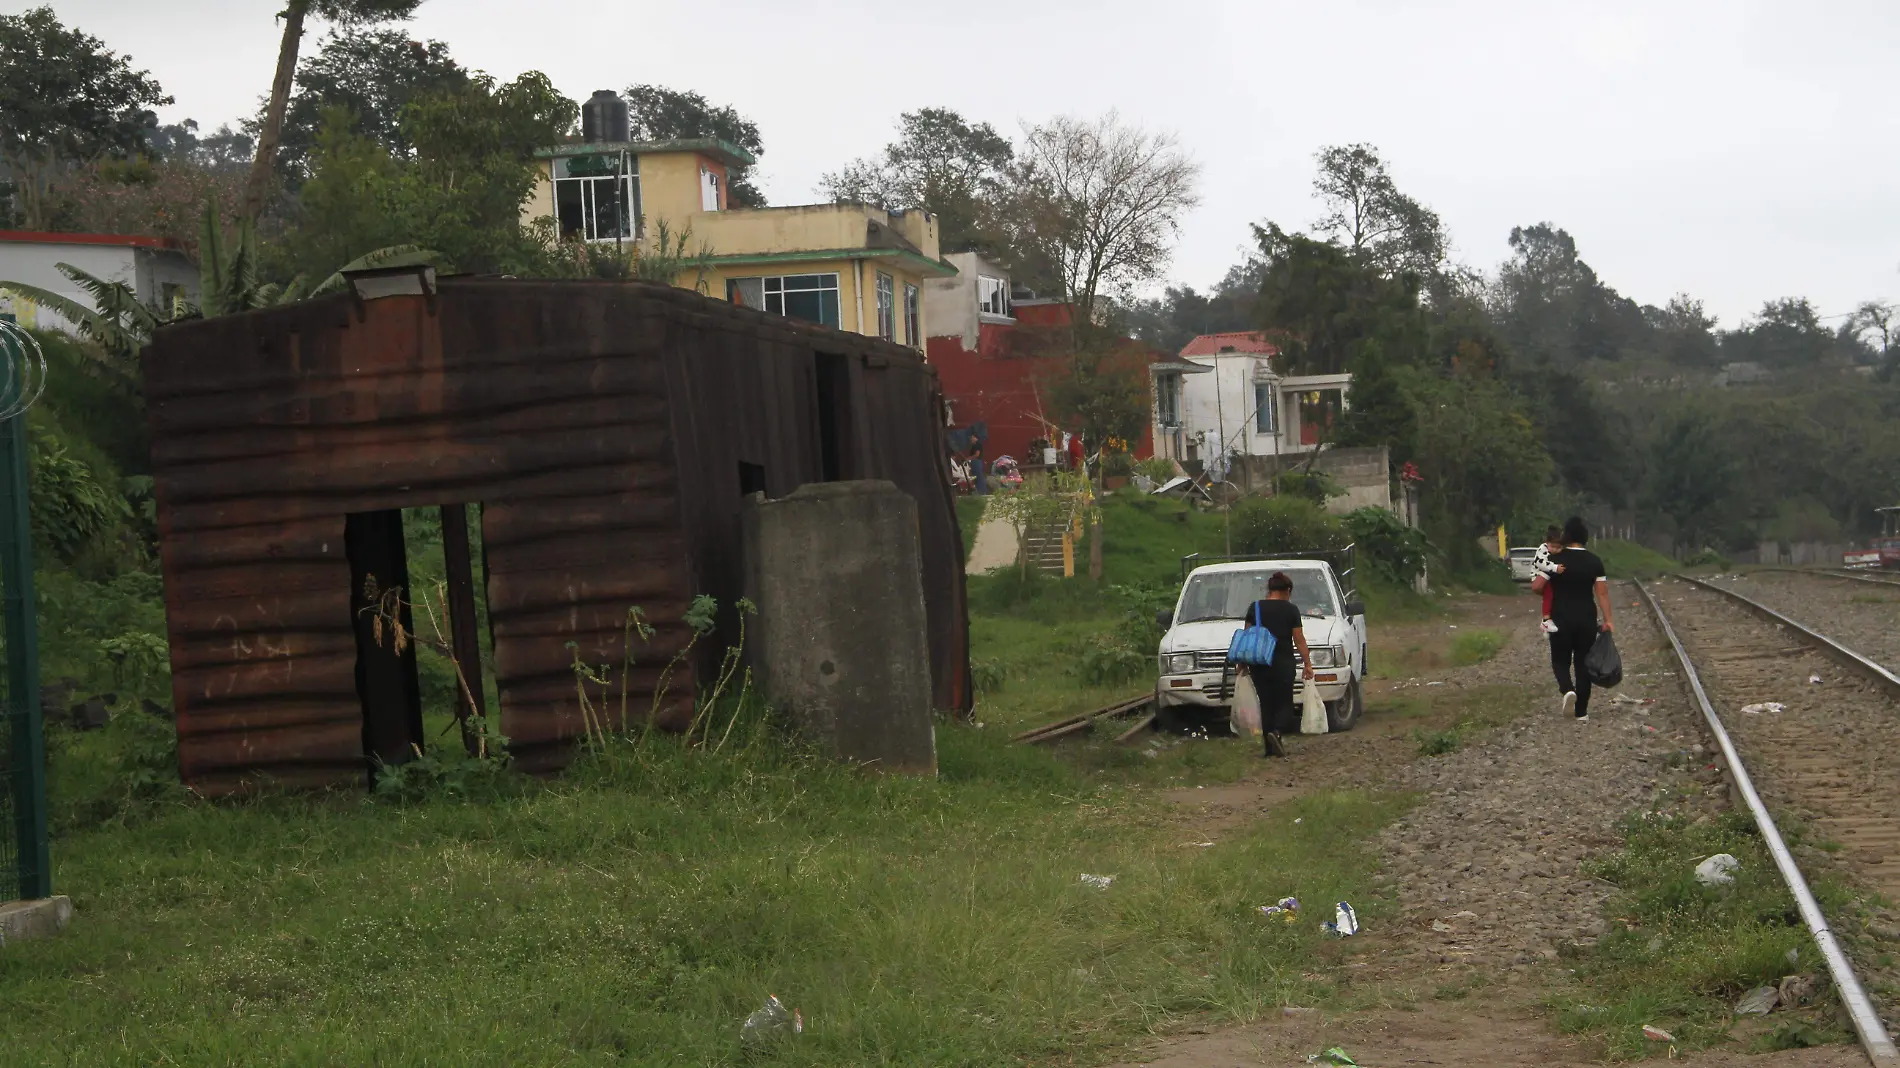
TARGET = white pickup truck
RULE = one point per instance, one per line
(1195, 679)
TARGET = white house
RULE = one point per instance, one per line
(156, 269)
(1222, 398)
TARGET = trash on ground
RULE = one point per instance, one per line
(1332, 1056)
(1099, 882)
(1814, 680)
(771, 1022)
(1718, 870)
(1758, 1002)
(1657, 1034)
(1798, 990)
(1287, 908)
(1441, 926)
(1345, 922)
(1770, 707)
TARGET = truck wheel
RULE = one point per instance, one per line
(1343, 714)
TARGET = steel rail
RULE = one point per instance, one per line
(1873, 1034)
(1835, 573)
(1857, 661)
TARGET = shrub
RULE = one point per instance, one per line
(1315, 486)
(1386, 546)
(1284, 524)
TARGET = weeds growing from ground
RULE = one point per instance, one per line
(1678, 954)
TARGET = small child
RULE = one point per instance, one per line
(1553, 543)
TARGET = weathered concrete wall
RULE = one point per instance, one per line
(835, 569)
(1364, 474)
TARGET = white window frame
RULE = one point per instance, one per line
(1267, 415)
(1168, 400)
(992, 296)
(913, 316)
(590, 187)
(886, 307)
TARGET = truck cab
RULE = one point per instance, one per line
(1196, 681)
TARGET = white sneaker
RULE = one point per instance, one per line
(1570, 703)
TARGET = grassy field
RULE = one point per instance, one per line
(635, 910)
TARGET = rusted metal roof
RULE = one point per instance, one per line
(602, 426)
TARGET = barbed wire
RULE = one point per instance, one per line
(23, 378)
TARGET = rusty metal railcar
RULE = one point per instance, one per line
(608, 433)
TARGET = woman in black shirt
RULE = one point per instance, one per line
(1579, 592)
(1279, 713)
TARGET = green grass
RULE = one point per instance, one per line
(638, 908)
(969, 517)
(1475, 645)
(1679, 954)
(1628, 560)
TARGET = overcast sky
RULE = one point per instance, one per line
(1735, 150)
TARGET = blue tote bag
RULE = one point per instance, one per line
(1252, 644)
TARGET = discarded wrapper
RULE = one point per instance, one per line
(1657, 1034)
(1099, 882)
(1287, 908)
(771, 1022)
(1718, 870)
(1345, 922)
(1758, 1002)
(1764, 706)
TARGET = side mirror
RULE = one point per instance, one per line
(1164, 617)
(1355, 608)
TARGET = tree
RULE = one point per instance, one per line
(1693, 478)
(1366, 213)
(373, 72)
(65, 99)
(460, 193)
(1480, 456)
(1097, 205)
(661, 114)
(270, 132)
(941, 163)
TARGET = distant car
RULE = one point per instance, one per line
(1214, 601)
(1521, 559)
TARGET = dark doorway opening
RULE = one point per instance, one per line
(834, 416)
(751, 479)
(386, 680)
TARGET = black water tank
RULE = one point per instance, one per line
(604, 117)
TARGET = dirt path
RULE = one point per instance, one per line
(1484, 873)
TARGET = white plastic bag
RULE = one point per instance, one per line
(1312, 710)
(1245, 715)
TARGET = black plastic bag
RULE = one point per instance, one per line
(1603, 663)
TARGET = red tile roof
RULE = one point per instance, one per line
(1241, 341)
(41, 237)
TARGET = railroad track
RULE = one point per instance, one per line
(1830, 754)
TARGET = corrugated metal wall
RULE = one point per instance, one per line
(600, 425)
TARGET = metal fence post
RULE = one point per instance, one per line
(27, 770)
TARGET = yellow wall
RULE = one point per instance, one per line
(712, 282)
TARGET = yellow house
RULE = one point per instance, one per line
(851, 266)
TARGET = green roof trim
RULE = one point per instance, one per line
(922, 263)
(725, 151)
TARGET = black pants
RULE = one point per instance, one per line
(1567, 647)
(1279, 712)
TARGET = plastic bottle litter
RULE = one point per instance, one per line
(1345, 922)
(1099, 882)
(772, 1022)
(1765, 706)
(1332, 1056)
(1287, 908)
(1758, 1002)
(1718, 870)
(1657, 1034)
